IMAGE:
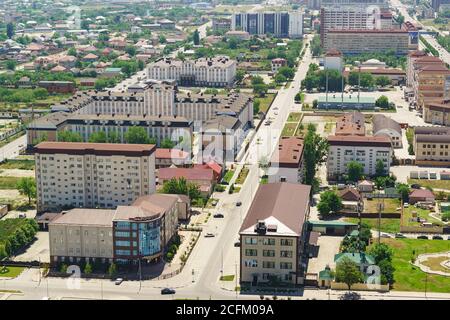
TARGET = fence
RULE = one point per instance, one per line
(408, 229)
(370, 215)
(360, 287)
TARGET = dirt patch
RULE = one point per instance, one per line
(17, 173)
(393, 243)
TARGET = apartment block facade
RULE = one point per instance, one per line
(432, 146)
(366, 150)
(92, 175)
(273, 234)
(357, 41)
(278, 24)
(218, 71)
(287, 162)
(437, 112)
(124, 235)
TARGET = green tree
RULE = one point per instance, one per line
(167, 144)
(10, 30)
(279, 78)
(240, 75)
(354, 171)
(98, 137)
(403, 190)
(112, 270)
(130, 50)
(382, 102)
(315, 153)
(137, 135)
(113, 137)
(383, 81)
(11, 65)
(256, 105)
(329, 202)
(162, 39)
(69, 136)
(181, 186)
(348, 272)
(383, 254)
(27, 187)
(287, 72)
(379, 168)
(260, 89)
(196, 37)
(72, 52)
(40, 93)
(88, 268)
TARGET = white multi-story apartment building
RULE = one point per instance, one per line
(92, 175)
(286, 164)
(366, 150)
(219, 71)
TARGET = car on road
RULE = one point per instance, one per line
(238, 204)
(422, 237)
(167, 291)
(385, 235)
(209, 235)
(406, 205)
(218, 215)
(437, 238)
(275, 113)
(118, 281)
(237, 244)
(400, 236)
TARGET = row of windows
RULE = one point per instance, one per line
(268, 264)
(269, 241)
(268, 253)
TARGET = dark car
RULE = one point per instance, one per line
(422, 237)
(238, 204)
(437, 238)
(415, 186)
(167, 291)
(218, 215)
(399, 236)
(225, 183)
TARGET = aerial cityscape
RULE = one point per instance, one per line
(224, 150)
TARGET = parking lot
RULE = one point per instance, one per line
(39, 249)
(328, 247)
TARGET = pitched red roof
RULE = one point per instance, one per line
(187, 173)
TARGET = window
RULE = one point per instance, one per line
(269, 241)
(286, 254)
(122, 234)
(269, 264)
(249, 240)
(287, 242)
(268, 253)
(285, 265)
(251, 252)
(251, 263)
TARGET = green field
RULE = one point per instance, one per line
(10, 272)
(410, 278)
(435, 184)
(242, 176)
(8, 182)
(228, 175)
(265, 102)
(289, 129)
(18, 164)
(387, 225)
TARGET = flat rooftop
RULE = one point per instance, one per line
(348, 99)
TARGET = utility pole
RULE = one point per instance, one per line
(101, 289)
(235, 278)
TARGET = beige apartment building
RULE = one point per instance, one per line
(287, 162)
(82, 233)
(437, 112)
(92, 175)
(432, 146)
(354, 41)
(273, 234)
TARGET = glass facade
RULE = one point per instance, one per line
(149, 238)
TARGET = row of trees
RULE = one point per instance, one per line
(317, 79)
(22, 95)
(181, 186)
(315, 153)
(14, 234)
(367, 80)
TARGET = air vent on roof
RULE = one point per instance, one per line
(260, 227)
(272, 228)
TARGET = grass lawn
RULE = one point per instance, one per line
(390, 205)
(422, 213)
(410, 278)
(265, 102)
(18, 164)
(228, 175)
(289, 129)
(435, 184)
(387, 225)
(294, 117)
(227, 277)
(8, 182)
(10, 272)
(242, 176)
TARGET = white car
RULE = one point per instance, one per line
(406, 205)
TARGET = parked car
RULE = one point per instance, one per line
(437, 238)
(167, 291)
(238, 204)
(399, 236)
(416, 186)
(218, 215)
(406, 205)
(237, 244)
(118, 281)
(422, 237)
(209, 235)
(385, 235)
(22, 215)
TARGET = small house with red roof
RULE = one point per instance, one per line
(421, 195)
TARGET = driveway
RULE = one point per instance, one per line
(328, 247)
(39, 249)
